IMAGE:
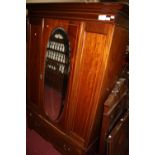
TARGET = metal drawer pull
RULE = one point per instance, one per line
(66, 148)
(109, 136)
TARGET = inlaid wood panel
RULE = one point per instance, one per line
(90, 66)
(34, 61)
(92, 60)
(72, 29)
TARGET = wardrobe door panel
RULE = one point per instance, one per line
(34, 50)
(58, 58)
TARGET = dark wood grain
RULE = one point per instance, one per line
(33, 58)
(81, 11)
(118, 139)
(96, 59)
(114, 107)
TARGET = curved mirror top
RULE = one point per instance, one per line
(56, 72)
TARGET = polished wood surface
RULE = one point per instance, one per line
(33, 61)
(114, 107)
(97, 49)
(81, 11)
(118, 139)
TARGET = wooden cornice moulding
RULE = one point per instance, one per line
(82, 11)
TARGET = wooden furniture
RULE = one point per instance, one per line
(74, 57)
(118, 139)
(114, 124)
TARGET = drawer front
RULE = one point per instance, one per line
(35, 123)
(58, 140)
(66, 149)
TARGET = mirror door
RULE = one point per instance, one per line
(57, 65)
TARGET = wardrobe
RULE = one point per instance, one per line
(74, 57)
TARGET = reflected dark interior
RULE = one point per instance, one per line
(56, 73)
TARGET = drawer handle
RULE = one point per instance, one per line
(109, 136)
(66, 148)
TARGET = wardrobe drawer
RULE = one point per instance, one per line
(59, 140)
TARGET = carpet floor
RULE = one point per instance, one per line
(36, 145)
